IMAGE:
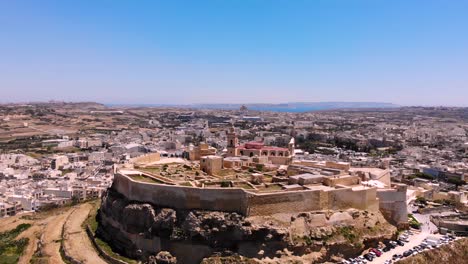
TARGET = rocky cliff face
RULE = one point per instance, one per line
(142, 230)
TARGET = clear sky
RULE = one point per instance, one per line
(234, 51)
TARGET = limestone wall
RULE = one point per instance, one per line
(147, 158)
(364, 199)
(277, 160)
(341, 180)
(338, 165)
(392, 203)
(284, 202)
(189, 198)
(243, 202)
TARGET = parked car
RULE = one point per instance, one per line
(400, 243)
(377, 252)
(369, 257)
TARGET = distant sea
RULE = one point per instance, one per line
(288, 109)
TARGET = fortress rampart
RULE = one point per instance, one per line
(182, 197)
(242, 201)
(393, 204)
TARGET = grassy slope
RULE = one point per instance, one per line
(10, 248)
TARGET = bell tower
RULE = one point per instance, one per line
(232, 142)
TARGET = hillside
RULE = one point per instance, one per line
(453, 253)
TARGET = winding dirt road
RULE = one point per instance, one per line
(76, 241)
(46, 231)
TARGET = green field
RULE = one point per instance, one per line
(10, 247)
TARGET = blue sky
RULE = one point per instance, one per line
(234, 51)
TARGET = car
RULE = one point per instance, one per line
(369, 257)
(386, 249)
(407, 253)
(388, 262)
(377, 252)
(400, 243)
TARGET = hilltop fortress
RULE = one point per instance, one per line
(148, 206)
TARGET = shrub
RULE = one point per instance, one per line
(225, 184)
(348, 233)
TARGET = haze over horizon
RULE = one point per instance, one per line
(184, 52)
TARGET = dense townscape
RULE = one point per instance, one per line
(350, 185)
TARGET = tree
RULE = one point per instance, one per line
(421, 200)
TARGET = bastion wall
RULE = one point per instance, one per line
(244, 202)
(187, 198)
(393, 204)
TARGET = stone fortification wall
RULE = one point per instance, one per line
(243, 202)
(147, 158)
(181, 197)
(392, 203)
(364, 199)
(341, 180)
(285, 202)
(345, 166)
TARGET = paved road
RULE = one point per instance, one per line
(427, 229)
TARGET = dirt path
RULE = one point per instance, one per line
(76, 241)
(47, 227)
(52, 234)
